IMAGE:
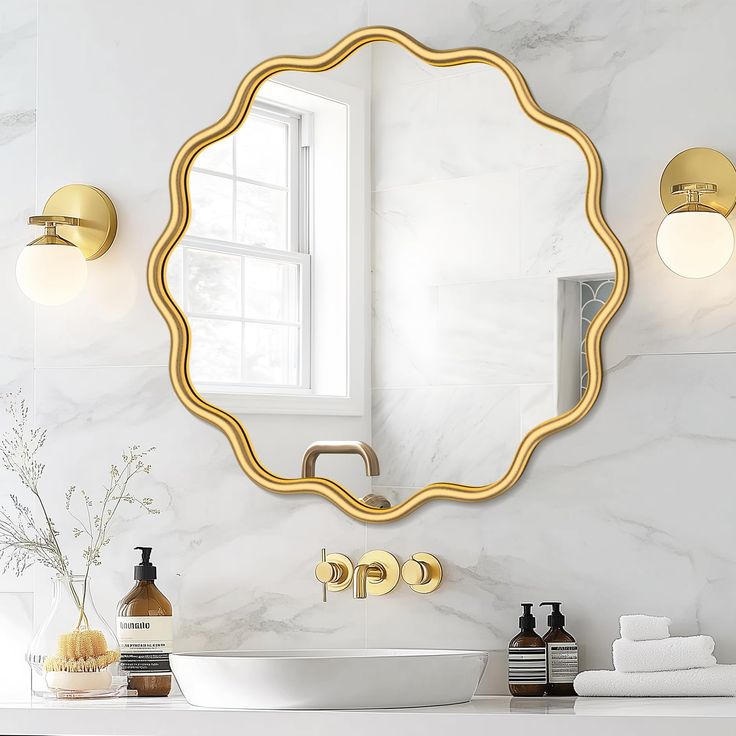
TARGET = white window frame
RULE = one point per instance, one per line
(298, 240)
(357, 270)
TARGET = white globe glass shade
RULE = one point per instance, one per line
(695, 244)
(51, 274)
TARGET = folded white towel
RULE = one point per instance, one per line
(716, 681)
(660, 655)
(641, 628)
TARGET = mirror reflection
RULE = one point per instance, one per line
(390, 256)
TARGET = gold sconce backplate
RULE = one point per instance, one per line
(98, 221)
(700, 165)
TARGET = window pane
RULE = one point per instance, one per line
(261, 216)
(271, 290)
(260, 150)
(216, 350)
(213, 283)
(217, 157)
(271, 354)
(212, 206)
(174, 274)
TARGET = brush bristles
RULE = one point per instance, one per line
(81, 651)
(85, 664)
(81, 644)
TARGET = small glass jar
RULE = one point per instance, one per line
(74, 653)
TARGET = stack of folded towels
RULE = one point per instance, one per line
(648, 662)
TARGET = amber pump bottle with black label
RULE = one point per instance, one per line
(144, 626)
(527, 658)
(562, 654)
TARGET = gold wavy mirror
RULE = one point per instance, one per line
(393, 274)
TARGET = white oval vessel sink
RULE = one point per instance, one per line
(328, 679)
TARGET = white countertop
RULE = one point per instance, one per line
(483, 715)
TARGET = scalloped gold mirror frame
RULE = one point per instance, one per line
(179, 328)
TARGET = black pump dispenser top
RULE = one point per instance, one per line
(556, 618)
(527, 621)
(144, 570)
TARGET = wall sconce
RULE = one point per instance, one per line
(696, 240)
(81, 223)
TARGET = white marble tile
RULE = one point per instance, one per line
(497, 332)
(17, 191)
(17, 186)
(416, 432)
(537, 404)
(16, 631)
(425, 119)
(555, 237)
(405, 345)
(449, 231)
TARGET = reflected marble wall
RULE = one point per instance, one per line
(478, 213)
(629, 511)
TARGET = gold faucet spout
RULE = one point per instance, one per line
(363, 573)
(346, 447)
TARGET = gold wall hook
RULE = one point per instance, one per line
(376, 573)
(334, 571)
(422, 573)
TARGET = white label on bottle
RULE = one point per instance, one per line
(145, 644)
(527, 666)
(562, 661)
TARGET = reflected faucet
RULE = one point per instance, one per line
(345, 447)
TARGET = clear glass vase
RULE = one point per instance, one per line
(74, 654)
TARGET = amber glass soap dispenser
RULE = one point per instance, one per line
(562, 654)
(145, 632)
(527, 658)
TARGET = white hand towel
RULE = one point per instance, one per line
(675, 653)
(717, 681)
(640, 628)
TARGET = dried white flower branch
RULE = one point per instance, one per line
(26, 539)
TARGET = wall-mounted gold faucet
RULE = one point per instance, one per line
(377, 573)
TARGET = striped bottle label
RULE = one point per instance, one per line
(528, 666)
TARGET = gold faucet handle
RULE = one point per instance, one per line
(422, 573)
(334, 571)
